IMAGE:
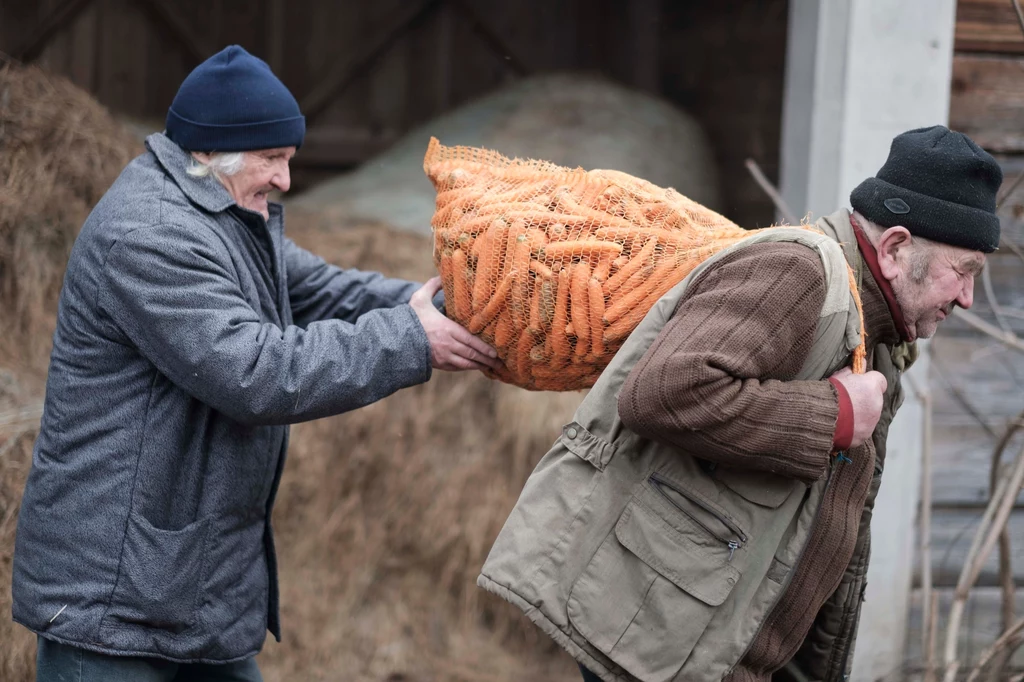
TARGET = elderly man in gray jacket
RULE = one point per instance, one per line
(191, 331)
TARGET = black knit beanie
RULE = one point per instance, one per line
(233, 102)
(939, 185)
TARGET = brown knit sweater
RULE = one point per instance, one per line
(718, 383)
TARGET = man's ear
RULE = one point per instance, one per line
(892, 241)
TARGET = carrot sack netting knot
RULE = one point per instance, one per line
(555, 267)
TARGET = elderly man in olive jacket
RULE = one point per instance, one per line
(191, 331)
(705, 516)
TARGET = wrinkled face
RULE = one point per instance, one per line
(264, 171)
(928, 280)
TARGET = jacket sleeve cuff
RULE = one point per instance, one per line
(843, 437)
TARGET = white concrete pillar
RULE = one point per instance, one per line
(858, 73)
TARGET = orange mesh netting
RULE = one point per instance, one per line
(555, 267)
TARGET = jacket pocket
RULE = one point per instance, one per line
(648, 594)
(159, 579)
(760, 487)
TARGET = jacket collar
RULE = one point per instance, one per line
(881, 312)
(207, 193)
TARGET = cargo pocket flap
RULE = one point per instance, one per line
(677, 558)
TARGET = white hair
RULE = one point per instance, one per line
(219, 163)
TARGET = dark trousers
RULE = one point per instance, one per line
(62, 663)
(587, 675)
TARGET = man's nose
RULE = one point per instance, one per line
(282, 179)
(966, 298)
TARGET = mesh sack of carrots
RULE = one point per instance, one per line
(555, 267)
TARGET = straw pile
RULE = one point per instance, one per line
(59, 151)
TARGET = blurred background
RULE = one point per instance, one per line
(385, 514)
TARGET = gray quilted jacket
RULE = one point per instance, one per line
(190, 333)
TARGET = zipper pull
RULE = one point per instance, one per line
(842, 458)
(733, 546)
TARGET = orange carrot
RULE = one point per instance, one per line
(533, 192)
(603, 269)
(538, 354)
(659, 211)
(498, 209)
(520, 263)
(559, 341)
(446, 197)
(653, 288)
(540, 269)
(637, 279)
(502, 332)
(478, 245)
(443, 261)
(569, 375)
(535, 305)
(612, 201)
(629, 234)
(465, 241)
(596, 317)
(616, 332)
(556, 231)
(486, 270)
(508, 248)
(493, 307)
(453, 212)
(480, 221)
(542, 219)
(547, 301)
(538, 239)
(523, 364)
(580, 301)
(502, 373)
(591, 248)
(634, 264)
(567, 203)
(461, 302)
(488, 333)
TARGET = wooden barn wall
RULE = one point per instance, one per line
(987, 104)
(398, 63)
(978, 385)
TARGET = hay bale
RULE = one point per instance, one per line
(59, 151)
(384, 514)
(571, 120)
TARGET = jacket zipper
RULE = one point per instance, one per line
(792, 571)
(732, 543)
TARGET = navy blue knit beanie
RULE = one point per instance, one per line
(232, 102)
(939, 185)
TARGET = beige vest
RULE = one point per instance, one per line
(634, 556)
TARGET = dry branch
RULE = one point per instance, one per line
(1020, 14)
(780, 204)
(990, 296)
(1006, 583)
(1003, 642)
(1008, 338)
(929, 616)
(959, 397)
(996, 516)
